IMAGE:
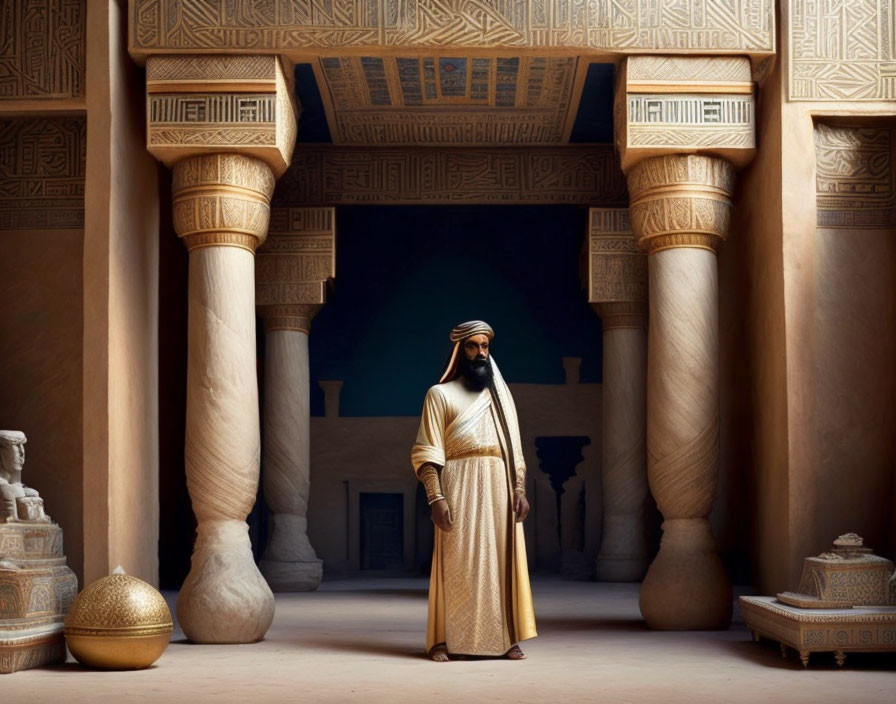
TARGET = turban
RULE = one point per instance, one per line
(459, 333)
(470, 328)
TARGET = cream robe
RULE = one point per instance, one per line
(480, 602)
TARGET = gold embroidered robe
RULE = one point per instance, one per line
(480, 602)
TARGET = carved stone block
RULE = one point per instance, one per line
(207, 104)
(667, 105)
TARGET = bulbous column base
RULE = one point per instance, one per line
(292, 576)
(686, 588)
(290, 563)
(224, 598)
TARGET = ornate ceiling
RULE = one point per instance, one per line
(456, 100)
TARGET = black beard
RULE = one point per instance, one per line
(477, 373)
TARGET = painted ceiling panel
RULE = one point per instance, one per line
(456, 100)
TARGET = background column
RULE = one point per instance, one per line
(617, 288)
(292, 270)
(202, 111)
(683, 124)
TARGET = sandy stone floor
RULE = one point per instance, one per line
(362, 640)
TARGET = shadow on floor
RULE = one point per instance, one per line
(354, 646)
(767, 653)
(548, 623)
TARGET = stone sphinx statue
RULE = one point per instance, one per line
(17, 501)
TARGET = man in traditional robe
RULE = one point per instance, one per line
(469, 457)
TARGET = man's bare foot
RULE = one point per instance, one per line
(439, 653)
(515, 653)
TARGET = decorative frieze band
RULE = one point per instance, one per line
(617, 267)
(43, 49)
(734, 26)
(42, 168)
(254, 110)
(855, 180)
(691, 121)
(347, 176)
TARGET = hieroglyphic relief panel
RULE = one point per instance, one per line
(855, 183)
(842, 50)
(42, 49)
(733, 26)
(448, 100)
(617, 267)
(42, 167)
(215, 119)
(328, 175)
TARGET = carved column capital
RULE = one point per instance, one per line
(680, 201)
(617, 269)
(288, 317)
(222, 200)
(622, 315)
(292, 269)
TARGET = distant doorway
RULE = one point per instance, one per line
(382, 531)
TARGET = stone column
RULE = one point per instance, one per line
(680, 211)
(221, 212)
(202, 112)
(292, 270)
(683, 124)
(617, 288)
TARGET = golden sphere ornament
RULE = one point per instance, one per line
(118, 623)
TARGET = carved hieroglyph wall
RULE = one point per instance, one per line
(42, 52)
(735, 26)
(42, 166)
(855, 178)
(841, 50)
(347, 176)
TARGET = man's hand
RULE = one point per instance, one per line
(441, 515)
(520, 507)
